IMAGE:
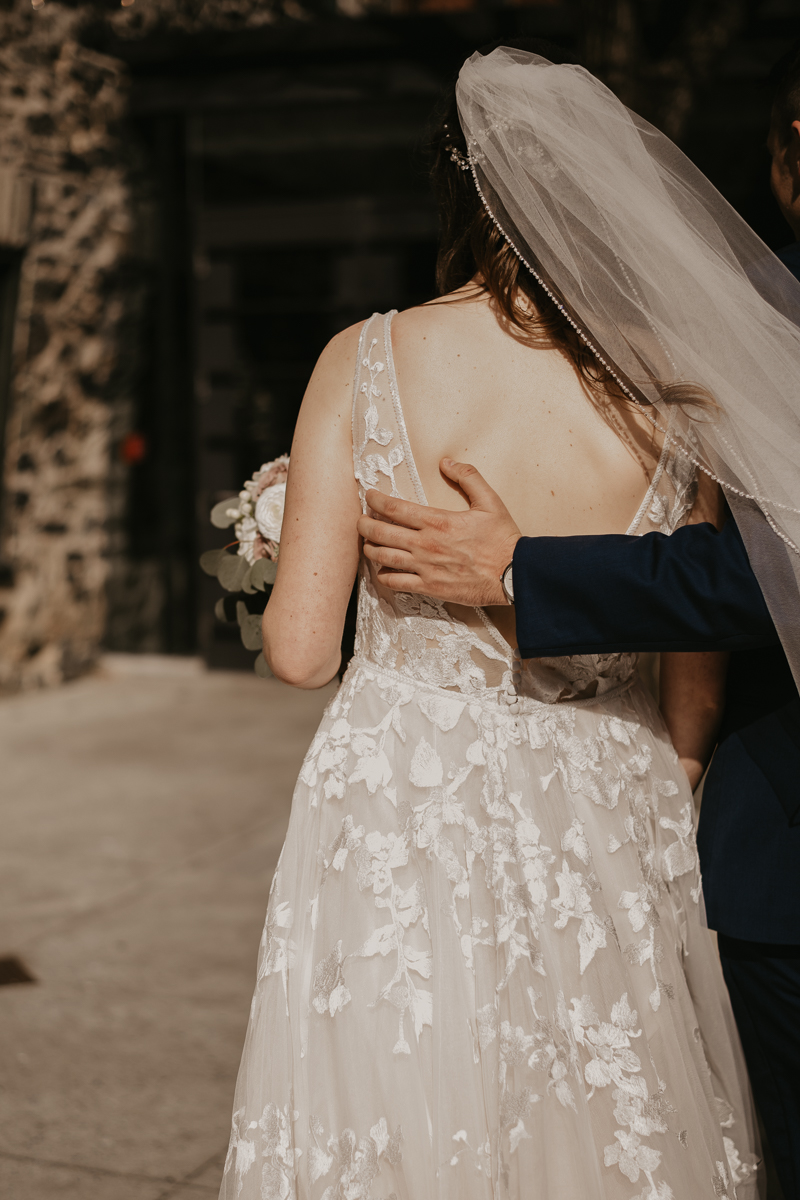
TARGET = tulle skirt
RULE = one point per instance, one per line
(485, 971)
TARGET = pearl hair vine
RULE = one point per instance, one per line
(462, 161)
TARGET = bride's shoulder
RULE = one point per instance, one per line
(430, 327)
(331, 382)
(443, 321)
(336, 363)
(342, 347)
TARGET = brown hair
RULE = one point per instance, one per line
(470, 244)
(784, 79)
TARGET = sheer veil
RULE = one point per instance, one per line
(661, 278)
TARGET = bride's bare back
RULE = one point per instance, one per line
(564, 460)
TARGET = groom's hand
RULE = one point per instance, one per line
(454, 556)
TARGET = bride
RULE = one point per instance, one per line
(485, 971)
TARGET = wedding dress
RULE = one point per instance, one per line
(484, 971)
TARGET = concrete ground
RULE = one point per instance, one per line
(142, 812)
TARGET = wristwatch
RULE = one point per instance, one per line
(507, 583)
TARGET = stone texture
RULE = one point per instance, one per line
(64, 143)
(60, 111)
(194, 16)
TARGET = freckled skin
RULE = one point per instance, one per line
(473, 393)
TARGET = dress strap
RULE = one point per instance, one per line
(398, 410)
(382, 455)
(655, 481)
(673, 491)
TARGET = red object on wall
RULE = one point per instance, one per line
(133, 448)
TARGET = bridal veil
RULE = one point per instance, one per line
(661, 277)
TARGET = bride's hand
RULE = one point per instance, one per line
(453, 556)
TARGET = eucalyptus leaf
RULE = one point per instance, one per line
(232, 570)
(263, 573)
(219, 513)
(227, 605)
(210, 561)
(251, 633)
(250, 626)
(261, 667)
(219, 611)
(247, 583)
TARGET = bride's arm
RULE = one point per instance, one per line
(319, 548)
(692, 685)
(692, 688)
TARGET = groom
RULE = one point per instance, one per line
(692, 591)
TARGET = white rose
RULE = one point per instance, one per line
(269, 511)
(247, 531)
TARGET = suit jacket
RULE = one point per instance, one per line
(694, 590)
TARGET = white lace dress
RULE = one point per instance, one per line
(484, 971)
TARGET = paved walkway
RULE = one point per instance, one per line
(142, 815)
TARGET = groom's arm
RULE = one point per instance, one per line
(694, 590)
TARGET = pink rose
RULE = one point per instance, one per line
(271, 473)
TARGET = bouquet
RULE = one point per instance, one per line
(257, 517)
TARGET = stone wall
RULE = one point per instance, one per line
(70, 201)
(60, 109)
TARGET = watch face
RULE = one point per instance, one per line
(507, 581)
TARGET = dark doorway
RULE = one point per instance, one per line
(288, 181)
(308, 219)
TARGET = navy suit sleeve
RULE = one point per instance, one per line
(693, 590)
